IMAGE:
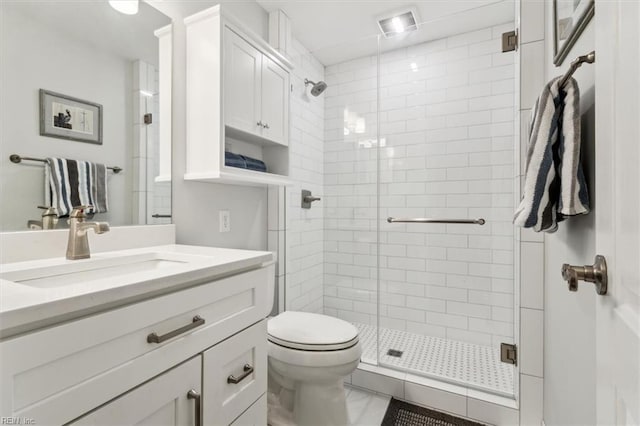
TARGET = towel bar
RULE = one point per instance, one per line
(479, 221)
(15, 158)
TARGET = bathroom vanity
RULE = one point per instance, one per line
(160, 335)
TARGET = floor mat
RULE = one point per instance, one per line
(402, 413)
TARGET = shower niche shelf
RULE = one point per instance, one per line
(237, 101)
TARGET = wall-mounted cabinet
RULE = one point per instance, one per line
(237, 101)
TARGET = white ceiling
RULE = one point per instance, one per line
(336, 31)
(98, 24)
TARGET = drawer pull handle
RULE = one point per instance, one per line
(248, 369)
(154, 338)
(193, 394)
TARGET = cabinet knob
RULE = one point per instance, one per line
(259, 123)
(266, 126)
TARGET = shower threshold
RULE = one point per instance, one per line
(460, 363)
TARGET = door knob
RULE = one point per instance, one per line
(596, 273)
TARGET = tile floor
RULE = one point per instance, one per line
(451, 361)
(365, 408)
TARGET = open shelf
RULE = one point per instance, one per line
(239, 176)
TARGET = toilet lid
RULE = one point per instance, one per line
(312, 332)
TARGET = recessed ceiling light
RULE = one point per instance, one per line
(398, 23)
(128, 7)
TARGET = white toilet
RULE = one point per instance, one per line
(309, 357)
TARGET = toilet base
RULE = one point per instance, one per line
(307, 404)
(320, 404)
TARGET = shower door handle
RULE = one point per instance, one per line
(478, 221)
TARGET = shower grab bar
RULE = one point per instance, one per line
(478, 221)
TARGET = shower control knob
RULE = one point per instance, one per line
(596, 273)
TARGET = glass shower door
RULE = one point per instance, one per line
(447, 118)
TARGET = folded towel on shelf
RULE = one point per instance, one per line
(244, 162)
(554, 186)
(254, 164)
(70, 183)
(234, 160)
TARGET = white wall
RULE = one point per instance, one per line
(44, 58)
(196, 205)
(447, 120)
(305, 233)
(569, 339)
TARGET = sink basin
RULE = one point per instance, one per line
(77, 272)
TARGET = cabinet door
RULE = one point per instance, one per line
(242, 84)
(275, 102)
(234, 375)
(161, 401)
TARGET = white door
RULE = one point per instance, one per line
(162, 401)
(617, 210)
(243, 72)
(275, 102)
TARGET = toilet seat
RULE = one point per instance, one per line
(305, 331)
(313, 348)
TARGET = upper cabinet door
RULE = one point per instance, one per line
(242, 84)
(275, 102)
(162, 401)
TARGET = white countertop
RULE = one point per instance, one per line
(24, 307)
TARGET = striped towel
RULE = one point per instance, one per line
(70, 183)
(554, 184)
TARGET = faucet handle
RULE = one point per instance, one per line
(49, 211)
(78, 211)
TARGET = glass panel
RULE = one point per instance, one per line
(350, 188)
(425, 128)
(447, 118)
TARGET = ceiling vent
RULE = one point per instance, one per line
(398, 23)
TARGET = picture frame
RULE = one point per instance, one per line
(70, 118)
(570, 17)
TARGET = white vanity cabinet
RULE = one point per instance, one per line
(256, 88)
(238, 90)
(137, 363)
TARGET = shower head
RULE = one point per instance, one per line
(317, 88)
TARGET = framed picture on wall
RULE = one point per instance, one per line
(65, 117)
(570, 19)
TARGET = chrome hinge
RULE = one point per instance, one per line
(509, 353)
(510, 41)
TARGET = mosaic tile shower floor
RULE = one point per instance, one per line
(462, 363)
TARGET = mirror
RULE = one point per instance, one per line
(94, 62)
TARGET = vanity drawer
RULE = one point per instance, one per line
(84, 363)
(234, 375)
(256, 415)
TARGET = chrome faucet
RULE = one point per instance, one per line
(49, 219)
(78, 246)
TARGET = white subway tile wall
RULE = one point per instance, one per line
(447, 143)
(305, 235)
